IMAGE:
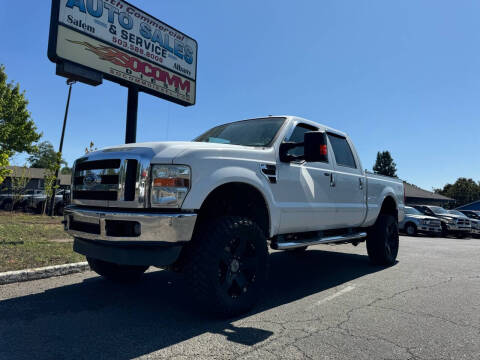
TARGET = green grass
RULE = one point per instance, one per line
(26, 242)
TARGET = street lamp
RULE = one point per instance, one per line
(70, 82)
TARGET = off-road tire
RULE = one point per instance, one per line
(227, 265)
(444, 230)
(383, 240)
(116, 272)
(411, 229)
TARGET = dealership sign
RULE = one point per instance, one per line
(125, 45)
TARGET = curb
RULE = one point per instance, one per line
(42, 273)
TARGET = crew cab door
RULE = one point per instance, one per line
(348, 184)
(303, 190)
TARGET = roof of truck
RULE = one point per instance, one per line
(310, 122)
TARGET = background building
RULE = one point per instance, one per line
(418, 196)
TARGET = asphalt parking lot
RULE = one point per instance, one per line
(327, 303)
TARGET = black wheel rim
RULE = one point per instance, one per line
(391, 241)
(237, 267)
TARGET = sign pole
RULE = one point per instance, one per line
(132, 110)
(60, 149)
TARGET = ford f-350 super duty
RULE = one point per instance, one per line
(211, 207)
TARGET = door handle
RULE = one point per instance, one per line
(360, 183)
(326, 173)
(332, 180)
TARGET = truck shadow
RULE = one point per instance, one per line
(99, 319)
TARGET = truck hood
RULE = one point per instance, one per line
(167, 152)
(421, 217)
(451, 217)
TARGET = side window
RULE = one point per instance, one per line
(297, 136)
(342, 151)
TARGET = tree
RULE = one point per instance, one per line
(50, 184)
(91, 148)
(66, 170)
(43, 156)
(384, 165)
(4, 162)
(19, 184)
(18, 132)
(464, 191)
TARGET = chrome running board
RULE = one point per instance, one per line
(325, 240)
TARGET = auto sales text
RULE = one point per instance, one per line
(153, 34)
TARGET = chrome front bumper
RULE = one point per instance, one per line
(428, 228)
(128, 226)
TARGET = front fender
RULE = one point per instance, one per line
(204, 184)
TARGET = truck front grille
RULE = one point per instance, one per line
(95, 195)
(104, 179)
(98, 164)
(117, 182)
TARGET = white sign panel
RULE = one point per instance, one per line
(128, 44)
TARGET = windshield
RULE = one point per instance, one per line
(438, 210)
(473, 215)
(412, 211)
(255, 132)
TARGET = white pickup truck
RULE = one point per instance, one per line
(211, 207)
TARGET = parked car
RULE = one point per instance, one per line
(474, 220)
(37, 202)
(21, 199)
(211, 207)
(452, 224)
(416, 222)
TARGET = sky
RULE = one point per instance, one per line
(402, 76)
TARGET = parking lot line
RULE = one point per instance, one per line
(337, 294)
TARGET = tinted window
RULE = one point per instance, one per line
(427, 211)
(472, 215)
(342, 151)
(297, 137)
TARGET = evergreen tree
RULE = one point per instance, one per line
(384, 165)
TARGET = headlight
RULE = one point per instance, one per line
(170, 185)
(425, 222)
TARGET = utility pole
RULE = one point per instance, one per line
(70, 82)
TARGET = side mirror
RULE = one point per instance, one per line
(315, 143)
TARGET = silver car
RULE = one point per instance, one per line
(415, 222)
